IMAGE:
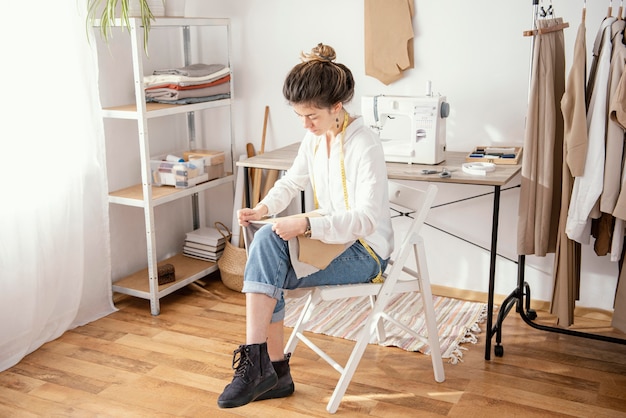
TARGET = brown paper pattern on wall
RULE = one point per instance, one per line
(388, 39)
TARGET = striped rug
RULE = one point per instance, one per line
(458, 321)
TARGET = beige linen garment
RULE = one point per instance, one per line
(566, 272)
(540, 194)
(614, 132)
(618, 114)
(388, 39)
(607, 230)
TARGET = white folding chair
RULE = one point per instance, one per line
(417, 203)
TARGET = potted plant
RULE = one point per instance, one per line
(107, 11)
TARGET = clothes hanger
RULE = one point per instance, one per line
(584, 10)
(548, 12)
(553, 28)
(610, 12)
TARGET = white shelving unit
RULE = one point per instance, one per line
(144, 283)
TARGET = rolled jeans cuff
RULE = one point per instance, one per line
(269, 290)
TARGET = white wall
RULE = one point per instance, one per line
(472, 52)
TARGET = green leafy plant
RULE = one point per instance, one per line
(107, 16)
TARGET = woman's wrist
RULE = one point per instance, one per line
(262, 209)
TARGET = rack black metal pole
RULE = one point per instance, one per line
(521, 299)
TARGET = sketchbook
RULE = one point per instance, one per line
(311, 251)
(206, 236)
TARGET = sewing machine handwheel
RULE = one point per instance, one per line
(445, 109)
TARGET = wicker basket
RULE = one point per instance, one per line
(232, 262)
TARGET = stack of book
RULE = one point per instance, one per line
(205, 244)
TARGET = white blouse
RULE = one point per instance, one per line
(366, 180)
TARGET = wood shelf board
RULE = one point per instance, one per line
(155, 110)
(171, 21)
(164, 193)
(135, 192)
(149, 107)
(185, 268)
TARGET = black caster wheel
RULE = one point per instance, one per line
(531, 314)
(498, 350)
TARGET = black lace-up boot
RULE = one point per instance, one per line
(254, 375)
(285, 386)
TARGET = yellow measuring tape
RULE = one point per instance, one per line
(379, 276)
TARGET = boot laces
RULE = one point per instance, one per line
(241, 361)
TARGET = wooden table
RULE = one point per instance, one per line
(282, 158)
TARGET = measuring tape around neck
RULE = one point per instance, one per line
(346, 119)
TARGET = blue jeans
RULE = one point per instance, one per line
(269, 271)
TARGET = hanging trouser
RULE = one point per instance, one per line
(566, 273)
(540, 193)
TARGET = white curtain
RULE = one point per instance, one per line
(54, 243)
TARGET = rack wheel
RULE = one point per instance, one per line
(531, 314)
(498, 350)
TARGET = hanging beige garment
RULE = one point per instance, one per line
(388, 38)
(614, 132)
(540, 194)
(618, 115)
(566, 272)
(584, 204)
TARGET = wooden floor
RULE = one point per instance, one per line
(132, 364)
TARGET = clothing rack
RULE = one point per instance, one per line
(520, 297)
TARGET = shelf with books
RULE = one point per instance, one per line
(186, 42)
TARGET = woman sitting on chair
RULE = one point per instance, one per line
(343, 162)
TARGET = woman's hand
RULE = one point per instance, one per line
(290, 227)
(244, 216)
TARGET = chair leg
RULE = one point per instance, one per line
(429, 312)
(299, 326)
(380, 325)
(350, 367)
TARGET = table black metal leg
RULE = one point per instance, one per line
(492, 269)
(246, 187)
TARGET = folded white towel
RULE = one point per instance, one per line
(155, 80)
(193, 70)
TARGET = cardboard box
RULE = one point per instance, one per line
(213, 160)
(178, 174)
(211, 157)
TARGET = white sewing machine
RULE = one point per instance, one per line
(411, 129)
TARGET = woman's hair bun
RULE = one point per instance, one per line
(320, 52)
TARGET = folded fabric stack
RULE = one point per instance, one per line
(205, 244)
(190, 84)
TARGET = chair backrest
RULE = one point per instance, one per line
(418, 203)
